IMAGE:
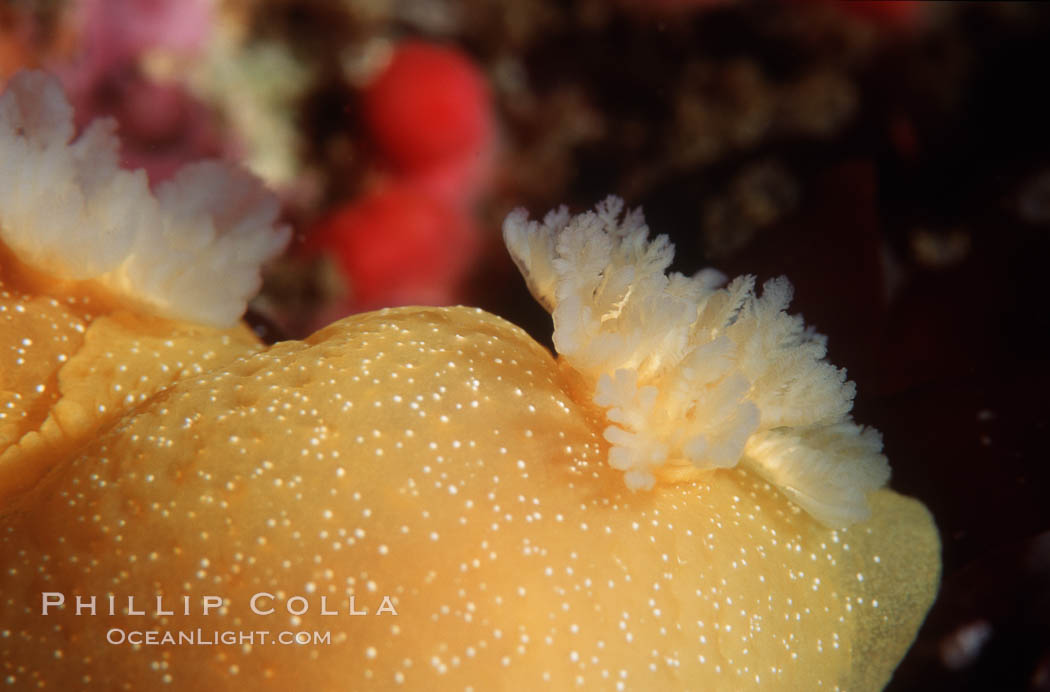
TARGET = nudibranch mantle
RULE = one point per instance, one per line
(694, 376)
(436, 457)
(190, 250)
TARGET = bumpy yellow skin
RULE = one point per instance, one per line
(437, 458)
(72, 362)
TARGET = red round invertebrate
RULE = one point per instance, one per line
(399, 245)
(430, 111)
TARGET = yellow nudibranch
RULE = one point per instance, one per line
(428, 489)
